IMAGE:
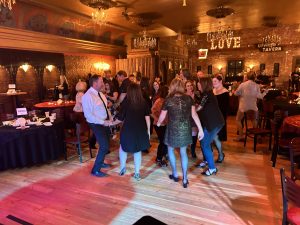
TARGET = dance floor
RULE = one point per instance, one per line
(246, 190)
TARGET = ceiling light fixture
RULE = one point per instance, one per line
(144, 41)
(7, 3)
(220, 12)
(99, 16)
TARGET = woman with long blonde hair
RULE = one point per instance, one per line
(179, 108)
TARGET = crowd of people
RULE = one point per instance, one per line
(191, 108)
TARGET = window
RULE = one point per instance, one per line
(262, 67)
(209, 69)
(234, 67)
(276, 69)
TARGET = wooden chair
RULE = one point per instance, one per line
(256, 131)
(295, 155)
(82, 135)
(279, 142)
(290, 194)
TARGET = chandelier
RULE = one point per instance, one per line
(100, 16)
(7, 3)
(144, 41)
(222, 33)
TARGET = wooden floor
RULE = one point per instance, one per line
(246, 190)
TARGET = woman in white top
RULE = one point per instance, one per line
(80, 88)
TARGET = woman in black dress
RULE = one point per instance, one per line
(222, 95)
(179, 108)
(135, 132)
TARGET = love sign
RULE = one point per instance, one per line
(232, 42)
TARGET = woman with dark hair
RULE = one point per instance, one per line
(222, 95)
(154, 94)
(179, 108)
(162, 149)
(190, 90)
(135, 132)
(212, 121)
(146, 91)
(185, 75)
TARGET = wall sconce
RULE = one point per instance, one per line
(251, 66)
(25, 67)
(50, 68)
(220, 68)
(101, 66)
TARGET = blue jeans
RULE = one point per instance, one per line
(206, 142)
(102, 135)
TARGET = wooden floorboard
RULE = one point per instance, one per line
(246, 190)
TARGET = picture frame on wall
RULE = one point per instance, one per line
(276, 69)
(262, 66)
(202, 53)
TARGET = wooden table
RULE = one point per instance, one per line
(291, 125)
(54, 105)
(64, 107)
(14, 97)
(287, 106)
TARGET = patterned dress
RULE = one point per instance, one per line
(179, 129)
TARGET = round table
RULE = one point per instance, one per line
(54, 105)
(14, 97)
(285, 105)
(291, 125)
(35, 145)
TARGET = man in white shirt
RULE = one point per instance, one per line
(249, 92)
(94, 105)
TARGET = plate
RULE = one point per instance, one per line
(47, 124)
(22, 128)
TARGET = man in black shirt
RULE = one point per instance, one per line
(124, 81)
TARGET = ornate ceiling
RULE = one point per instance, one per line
(174, 17)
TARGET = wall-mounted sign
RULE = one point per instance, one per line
(232, 42)
(202, 53)
(270, 43)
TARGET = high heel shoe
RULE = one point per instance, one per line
(221, 160)
(137, 177)
(185, 184)
(210, 172)
(122, 172)
(176, 179)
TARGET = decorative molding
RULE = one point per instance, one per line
(74, 13)
(28, 40)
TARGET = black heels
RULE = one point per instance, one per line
(220, 160)
(176, 179)
(185, 184)
(122, 172)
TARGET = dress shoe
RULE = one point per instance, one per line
(105, 165)
(185, 184)
(137, 177)
(220, 160)
(210, 172)
(99, 174)
(122, 172)
(176, 179)
(202, 164)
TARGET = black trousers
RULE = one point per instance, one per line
(162, 149)
(102, 135)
